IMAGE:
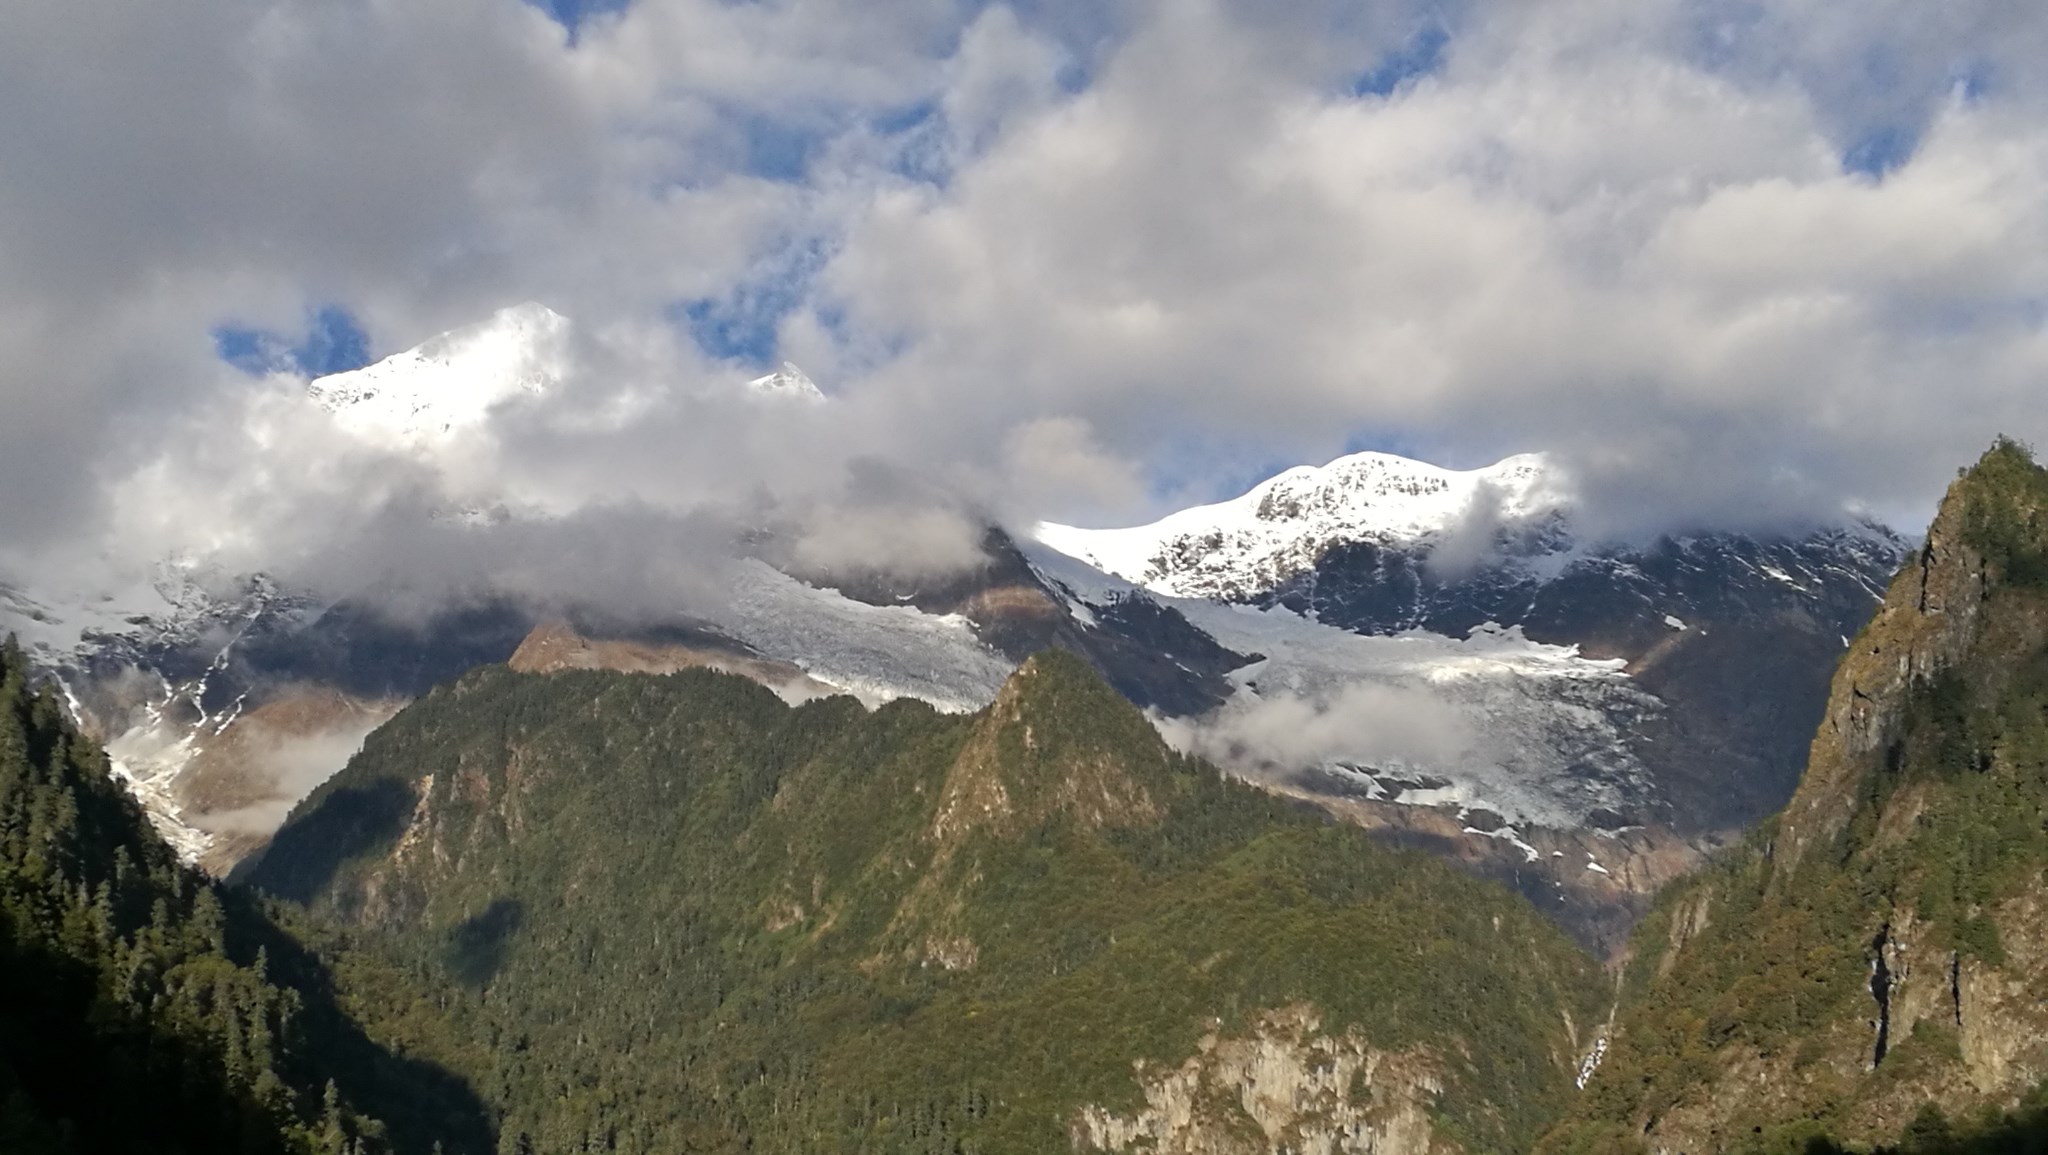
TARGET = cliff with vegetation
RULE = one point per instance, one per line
(1869, 968)
(685, 916)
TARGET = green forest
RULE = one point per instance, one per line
(687, 917)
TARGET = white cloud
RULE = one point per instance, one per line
(1366, 724)
(1621, 230)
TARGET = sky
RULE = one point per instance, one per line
(1735, 264)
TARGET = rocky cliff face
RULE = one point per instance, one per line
(1931, 621)
(1284, 1087)
(1880, 947)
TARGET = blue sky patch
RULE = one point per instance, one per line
(742, 325)
(918, 132)
(1973, 81)
(732, 329)
(1089, 33)
(895, 121)
(778, 150)
(334, 342)
(1880, 151)
(571, 14)
(1422, 55)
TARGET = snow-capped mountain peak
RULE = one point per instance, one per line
(1281, 525)
(451, 382)
(787, 382)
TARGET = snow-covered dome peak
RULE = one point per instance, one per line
(1283, 524)
(452, 381)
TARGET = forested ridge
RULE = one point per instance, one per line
(689, 917)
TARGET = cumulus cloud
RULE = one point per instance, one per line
(1731, 264)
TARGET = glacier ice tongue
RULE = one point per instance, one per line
(873, 652)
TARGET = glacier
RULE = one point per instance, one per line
(1558, 722)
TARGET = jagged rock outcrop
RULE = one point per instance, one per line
(1284, 1087)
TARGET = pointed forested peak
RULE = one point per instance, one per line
(1052, 672)
(1056, 741)
(1064, 702)
(1943, 609)
(733, 925)
(2004, 513)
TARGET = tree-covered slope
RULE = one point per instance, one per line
(690, 918)
(1876, 956)
(144, 1009)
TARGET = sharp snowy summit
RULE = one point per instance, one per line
(452, 382)
(431, 393)
(788, 382)
(1721, 633)
(1283, 526)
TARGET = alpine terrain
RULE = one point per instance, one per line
(690, 917)
(665, 908)
(1578, 719)
(1647, 700)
